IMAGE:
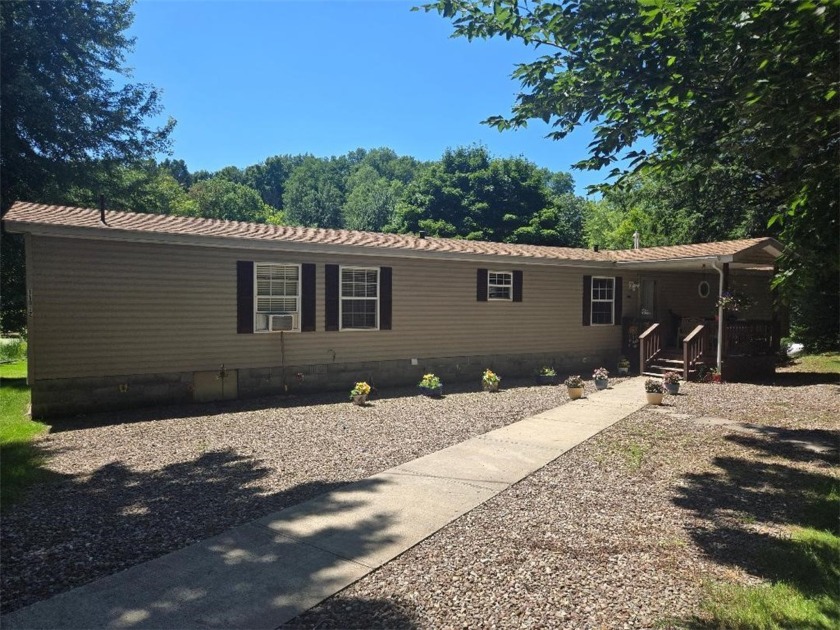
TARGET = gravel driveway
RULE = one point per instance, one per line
(125, 488)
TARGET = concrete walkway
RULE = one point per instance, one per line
(266, 572)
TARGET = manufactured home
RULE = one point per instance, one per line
(126, 309)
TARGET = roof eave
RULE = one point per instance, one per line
(158, 238)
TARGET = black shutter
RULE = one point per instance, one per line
(385, 298)
(307, 297)
(244, 296)
(587, 300)
(517, 286)
(331, 297)
(481, 285)
(619, 296)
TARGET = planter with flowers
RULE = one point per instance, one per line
(655, 391)
(601, 378)
(546, 376)
(671, 380)
(574, 385)
(490, 381)
(359, 394)
(623, 366)
(430, 385)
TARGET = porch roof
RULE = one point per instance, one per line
(757, 254)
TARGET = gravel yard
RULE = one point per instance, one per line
(125, 488)
(617, 533)
(622, 531)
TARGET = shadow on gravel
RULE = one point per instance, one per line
(79, 528)
(799, 379)
(739, 506)
(354, 613)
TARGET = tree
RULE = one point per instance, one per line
(709, 83)
(371, 200)
(314, 193)
(61, 110)
(219, 198)
(469, 194)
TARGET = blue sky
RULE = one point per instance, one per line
(247, 80)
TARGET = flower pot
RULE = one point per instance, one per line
(673, 388)
(490, 387)
(575, 392)
(654, 398)
(543, 379)
(431, 392)
(601, 383)
(359, 399)
(623, 370)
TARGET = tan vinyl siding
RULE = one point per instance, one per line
(109, 308)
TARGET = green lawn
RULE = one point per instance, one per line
(19, 460)
(804, 570)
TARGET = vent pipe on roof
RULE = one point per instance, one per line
(102, 210)
(636, 239)
(422, 233)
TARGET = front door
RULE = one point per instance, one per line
(647, 300)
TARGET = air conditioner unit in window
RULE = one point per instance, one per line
(284, 322)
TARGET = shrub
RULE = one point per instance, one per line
(490, 378)
(430, 381)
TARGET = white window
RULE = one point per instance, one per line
(276, 297)
(499, 285)
(603, 301)
(359, 303)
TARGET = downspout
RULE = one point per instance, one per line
(720, 317)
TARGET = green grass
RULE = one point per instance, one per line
(827, 363)
(20, 462)
(805, 573)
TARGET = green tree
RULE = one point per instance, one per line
(469, 194)
(314, 193)
(709, 83)
(219, 198)
(63, 107)
(371, 200)
(269, 177)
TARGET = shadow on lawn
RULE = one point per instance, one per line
(80, 528)
(738, 503)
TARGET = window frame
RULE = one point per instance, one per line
(298, 296)
(341, 298)
(490, 272)
(593, 300)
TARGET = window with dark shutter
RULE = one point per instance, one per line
(587, 300)
(307, 298)
(331, 297)
(385, 298)
(244, 296)
(481, 285)
(517, 286)
(619, 295)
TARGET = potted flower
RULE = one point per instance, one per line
(601, 378)
(574, 385)
(430, 385)
(546, 376)
(359, 394)
(671, 380)
(655, 391)
(623, 365)
(490, 381)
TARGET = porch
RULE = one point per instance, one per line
(689, 309)
(748, 350)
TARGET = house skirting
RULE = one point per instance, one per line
(55, 398)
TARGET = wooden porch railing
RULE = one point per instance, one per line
(650, 345)
(694, 346)
(751, 338)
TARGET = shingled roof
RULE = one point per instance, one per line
(58, 220)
